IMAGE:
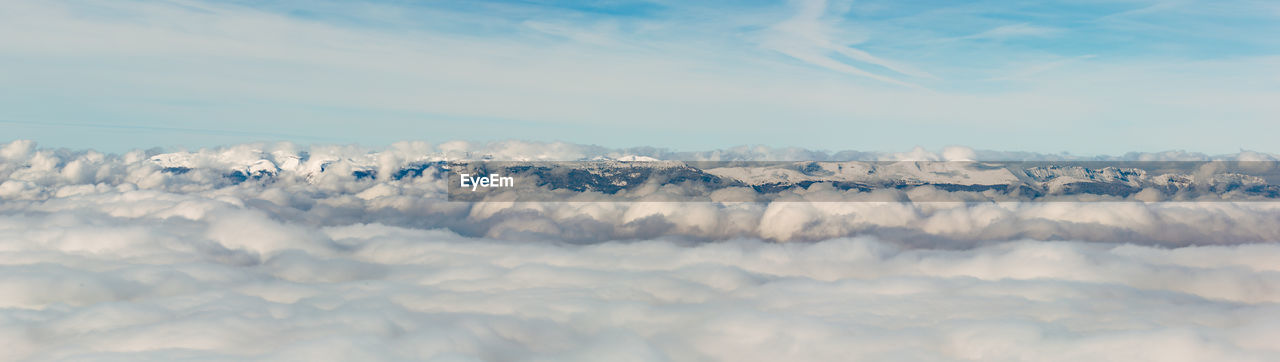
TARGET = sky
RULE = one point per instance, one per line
(1083, 77)
(164, 254)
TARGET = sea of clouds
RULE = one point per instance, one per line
(159, 255)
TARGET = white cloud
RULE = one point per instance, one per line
(108, 257)
(92, 286)
(806, 37)
(1015, 30)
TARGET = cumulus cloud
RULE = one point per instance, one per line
(275, 251)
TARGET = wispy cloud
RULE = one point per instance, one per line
(1015, 31)
(806, 36)
(729, 75)
(1027, 71)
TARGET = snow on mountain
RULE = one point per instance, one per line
(34, 172)
(634, 158)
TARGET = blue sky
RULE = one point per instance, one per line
(1086, 77)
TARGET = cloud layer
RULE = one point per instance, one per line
(234, 284)
(124, 257)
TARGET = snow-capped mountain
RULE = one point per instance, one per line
(627, 176)
(995, 180)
